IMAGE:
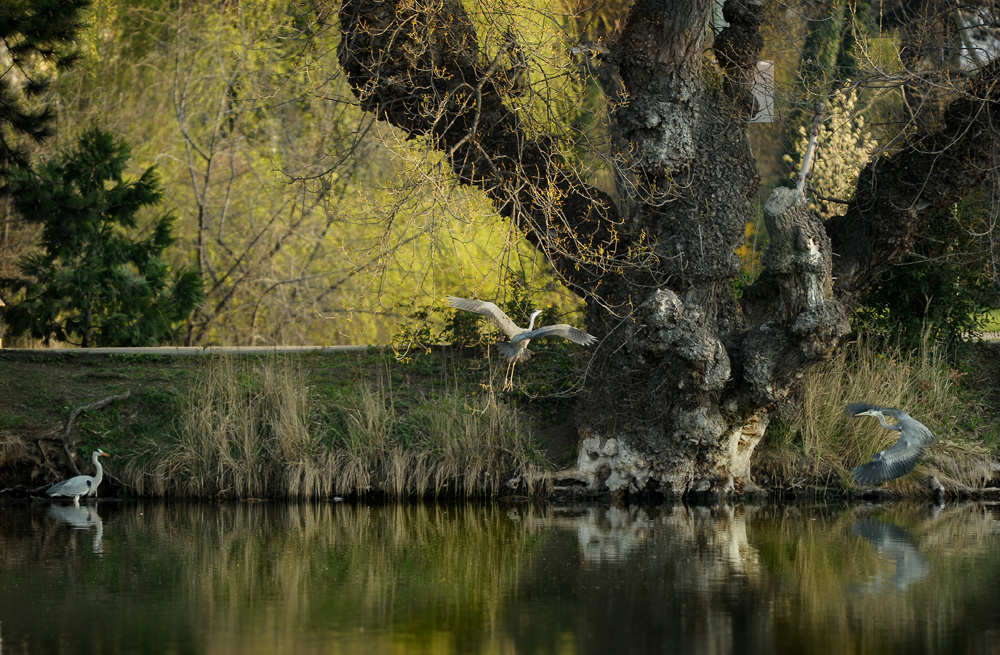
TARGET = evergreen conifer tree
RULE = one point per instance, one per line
(36, 38)
(93, 282)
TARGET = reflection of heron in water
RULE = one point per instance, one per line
(81, 485)
(81, 518)
(898, 545)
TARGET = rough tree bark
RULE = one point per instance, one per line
(689, 368)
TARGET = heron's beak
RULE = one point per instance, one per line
(867, 412)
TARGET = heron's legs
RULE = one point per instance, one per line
(508, 380)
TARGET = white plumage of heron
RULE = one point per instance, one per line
(900, 458)
(81, 485)
(517, 349)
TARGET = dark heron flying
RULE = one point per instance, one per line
(517, 349)
(81, 485)
(900, 458)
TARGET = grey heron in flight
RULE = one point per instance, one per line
(81, 485)
(517, 349)
(900, 458)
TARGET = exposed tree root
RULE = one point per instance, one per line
(64, 436)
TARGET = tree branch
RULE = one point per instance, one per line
(419, 67)
(63, 436)
(895, 190)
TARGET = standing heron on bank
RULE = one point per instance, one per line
(517, 349)
(81, 485)
(900, 458)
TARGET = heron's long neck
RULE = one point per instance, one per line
(887, 426)
(531, 321)
(100, 469)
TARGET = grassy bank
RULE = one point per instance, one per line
(310, 425)
(251, 429)
(326, 424)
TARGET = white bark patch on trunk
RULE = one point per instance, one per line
(683, 329)
(741, 444)
(614, 463)
(674, 145)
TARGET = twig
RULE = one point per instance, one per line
(829, 199)
(807, 158)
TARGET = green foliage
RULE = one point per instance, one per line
(94, 281)
(309, 225)
(36, 34)
(943, 285)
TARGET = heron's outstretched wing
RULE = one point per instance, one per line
(893, 462)
(489, 310)
(575, 335)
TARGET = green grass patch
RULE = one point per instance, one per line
(228, 426)
(991, 321)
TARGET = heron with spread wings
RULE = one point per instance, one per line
(900, 458)
(517, 349)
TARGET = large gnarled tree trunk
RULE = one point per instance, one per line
(689, 366)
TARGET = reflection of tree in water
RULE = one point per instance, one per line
(765, 579)
(498, 578)
(643, 580)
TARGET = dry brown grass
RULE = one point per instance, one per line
(252, 430)
(11, 449)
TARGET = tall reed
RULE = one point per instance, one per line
(253, 429)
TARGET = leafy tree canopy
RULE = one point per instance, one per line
(94, 281)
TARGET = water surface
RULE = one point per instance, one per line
(138, 577)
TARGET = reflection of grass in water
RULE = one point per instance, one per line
(441, 567)
(267, 577)
(840, 592)
(461, 578)
(251, 429)
(825, 441)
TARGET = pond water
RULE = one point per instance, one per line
(140, 577)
